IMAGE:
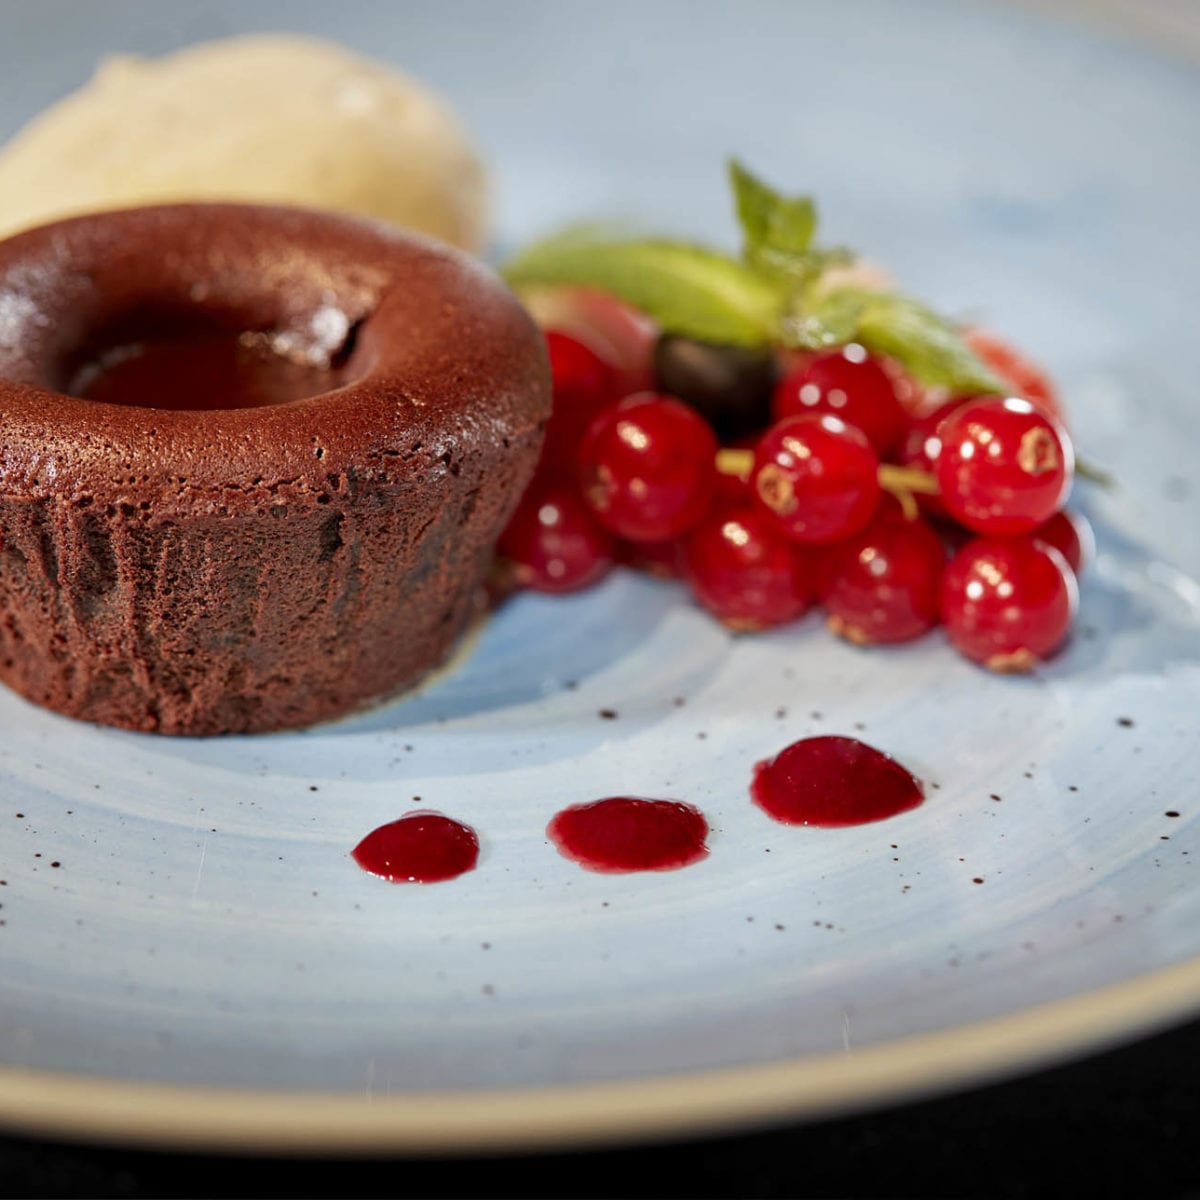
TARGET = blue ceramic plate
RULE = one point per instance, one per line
(207, 963)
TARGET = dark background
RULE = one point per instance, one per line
(1124, 1123)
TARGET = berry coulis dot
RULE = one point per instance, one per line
(621, 834)
(833, 781)
(422, 847)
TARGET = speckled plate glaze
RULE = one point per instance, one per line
(188, 954)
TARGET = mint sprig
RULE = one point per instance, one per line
(777, 230)
(928, 346)
(772, 295)
(687, 289)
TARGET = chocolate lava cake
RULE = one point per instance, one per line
(254, 461)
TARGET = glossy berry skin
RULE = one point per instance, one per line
(1007, 603)
(744, 571)
(1070, 533)
(1003, 466)
(620, 334)
(553, 542)
(846, 383)
(647, 468)
(1024, 377)
(584, 385)
(920, 448)
(883, 584)
(816, 477)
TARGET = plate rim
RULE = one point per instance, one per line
(160, 1116)
(183, 1117)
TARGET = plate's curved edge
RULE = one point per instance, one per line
(163, 1116)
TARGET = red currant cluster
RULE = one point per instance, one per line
(841, 483)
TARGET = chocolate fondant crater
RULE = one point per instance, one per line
(254, 461)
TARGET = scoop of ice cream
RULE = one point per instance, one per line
(276, 119)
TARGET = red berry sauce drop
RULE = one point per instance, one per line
(421, 847)
(623, 834)
(832, 781)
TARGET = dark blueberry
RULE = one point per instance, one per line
(729, 385)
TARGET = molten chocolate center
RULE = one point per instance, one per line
(200, 371)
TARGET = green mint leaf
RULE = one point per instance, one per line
(781, 224)
(687, 289)
(777, 230)
(928, 346)
(832, 320)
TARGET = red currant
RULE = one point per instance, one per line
(1025, 378)
(620, 334)
(919, 448)
(846, 383)
(648, 467)
(817, 477)
(1003, 466)
(744, 571)
(1008, 602)
(1070, 533)
(584, 385)
(882, 584)
(553, 542)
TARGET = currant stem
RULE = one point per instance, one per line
(906, 479)
(735, 462)
(892, 478)
(1092, 473)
